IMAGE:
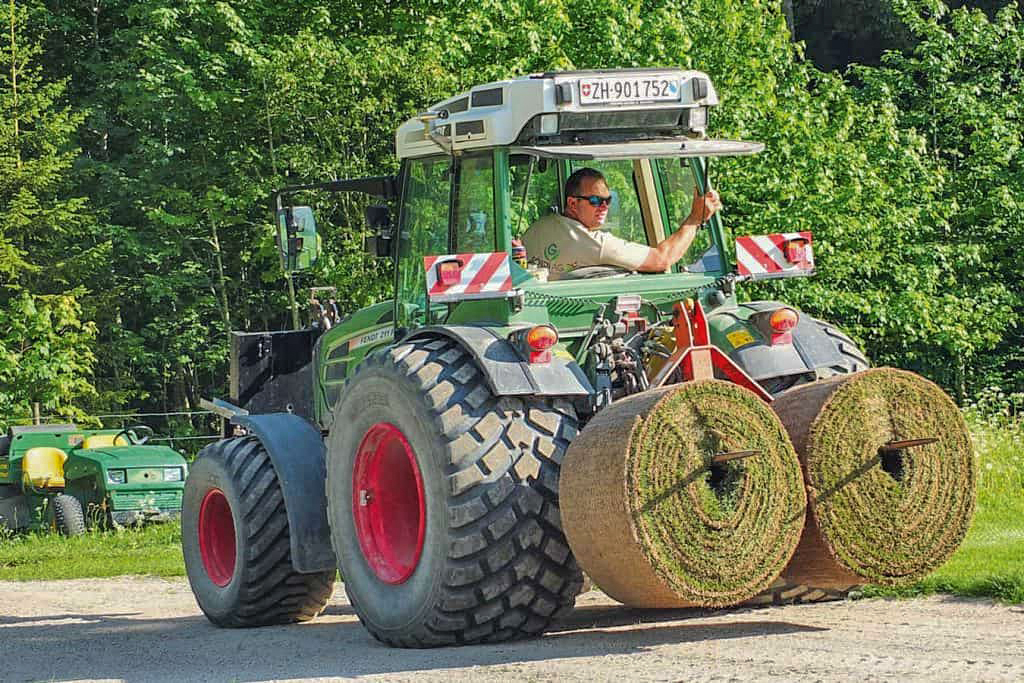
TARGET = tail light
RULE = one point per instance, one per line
(777, 325)
(449, 272)
(796, 250)
(783, 321)
(536, 342)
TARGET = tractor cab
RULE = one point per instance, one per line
(479, 169)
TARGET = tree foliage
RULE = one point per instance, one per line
(45, 356)
(176, 119)
(49, 239)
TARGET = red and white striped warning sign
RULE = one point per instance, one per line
(779, 255)
(456, 277)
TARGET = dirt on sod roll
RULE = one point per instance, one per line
(655, 523)
(884, 505)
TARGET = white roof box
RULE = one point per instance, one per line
(560, 107)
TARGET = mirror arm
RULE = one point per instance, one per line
(385, 187)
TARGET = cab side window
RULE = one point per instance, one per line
(535, 191)
(474, 205)
(423, 231)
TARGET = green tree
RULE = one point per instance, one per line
(962, 88)
(197, 110)
(45, 233)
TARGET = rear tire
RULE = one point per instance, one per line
(480, 478)
(854, 359)
(236, 541)
(68, 518)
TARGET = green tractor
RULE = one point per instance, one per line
(416, 444)
(65, 478)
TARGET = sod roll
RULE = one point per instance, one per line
(877, 514)
(655, 523)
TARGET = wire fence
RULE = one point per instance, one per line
(51, 418)
(178, 434)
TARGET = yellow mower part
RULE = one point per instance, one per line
(43, 467)
(104, 441)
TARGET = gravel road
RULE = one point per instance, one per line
(145, 629)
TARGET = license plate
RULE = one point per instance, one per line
(619, 90)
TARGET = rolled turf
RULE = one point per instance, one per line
(655, 524)
(877, 515)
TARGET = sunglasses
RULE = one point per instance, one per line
(595, 200)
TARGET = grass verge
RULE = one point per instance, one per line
(153, 550)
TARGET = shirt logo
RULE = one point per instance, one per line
(551, 252)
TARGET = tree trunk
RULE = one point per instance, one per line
(225, 310)
(14, 88)
(787, 9)
(294, 304)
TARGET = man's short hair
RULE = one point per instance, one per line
(575, 181)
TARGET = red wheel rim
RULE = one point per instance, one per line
(217, 537)
(387, 503)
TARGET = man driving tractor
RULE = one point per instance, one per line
(574, 239)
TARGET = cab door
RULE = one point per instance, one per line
(448, 207)
(423, 229)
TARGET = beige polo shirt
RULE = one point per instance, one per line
(562, 244)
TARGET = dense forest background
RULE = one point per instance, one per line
(139, 140)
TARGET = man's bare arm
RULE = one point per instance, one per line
(673, 247)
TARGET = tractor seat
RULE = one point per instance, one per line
(43, 467)
(104, 441)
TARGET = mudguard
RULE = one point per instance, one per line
(507, 373)
(297, 451)
(811, 349)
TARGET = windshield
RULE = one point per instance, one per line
(625, 219)
(536, 190)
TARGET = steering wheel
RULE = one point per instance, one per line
(132, 434)
(589, 272)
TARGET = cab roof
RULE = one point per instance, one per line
(644, 149)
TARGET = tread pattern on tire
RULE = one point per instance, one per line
(509, 571)
(782, 593)
(67, 514)
(272, 592)
(854, 358)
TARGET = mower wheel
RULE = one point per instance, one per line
(67, 515)
(852, 360)
(443, 501)
(236, 541)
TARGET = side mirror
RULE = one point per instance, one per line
(378, 220)
(297, 239)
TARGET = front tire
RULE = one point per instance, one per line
(466, 543)
(236, 541)
(68, 518)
